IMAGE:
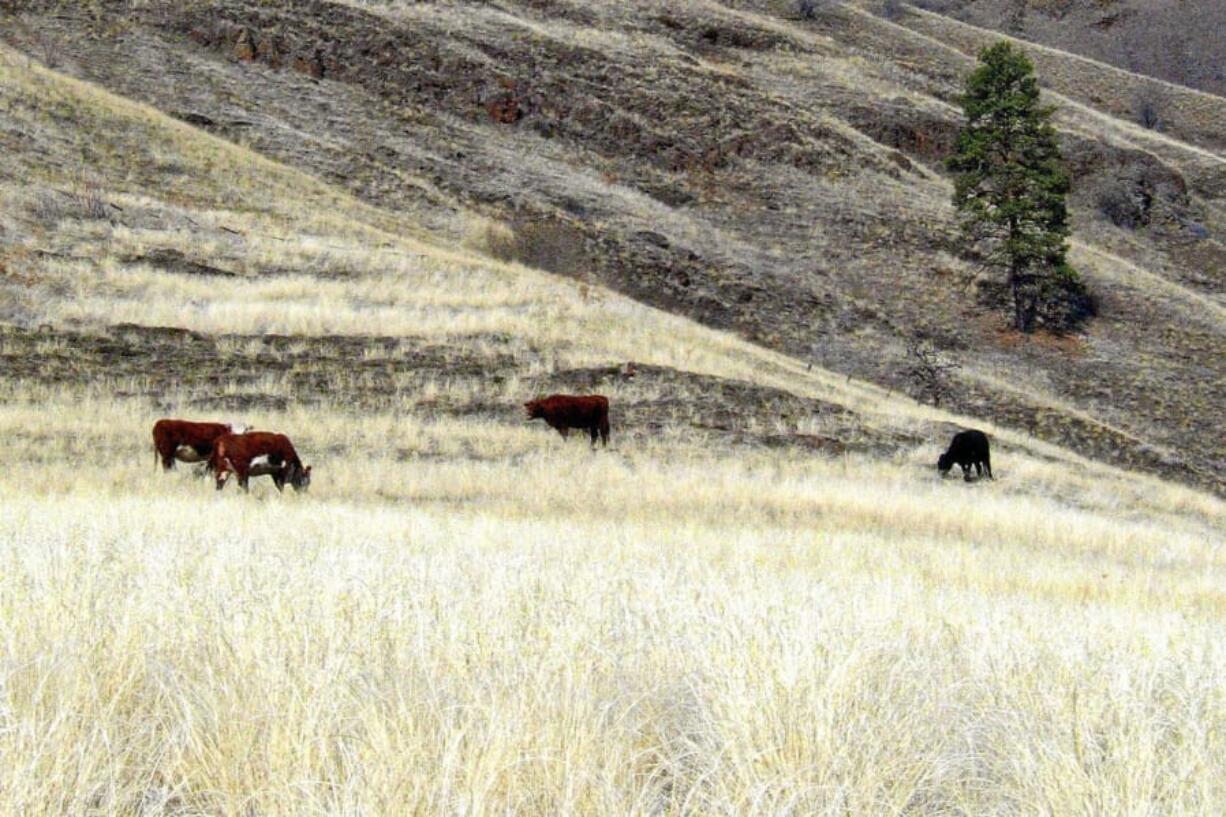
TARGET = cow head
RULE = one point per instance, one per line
(240, 428)
(299, 476)
(944, 463)
(534, 409)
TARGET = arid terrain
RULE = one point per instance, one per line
(1179, 41)
(380, 227)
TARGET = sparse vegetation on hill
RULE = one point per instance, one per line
(1177, 42)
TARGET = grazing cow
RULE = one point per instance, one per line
(968, 448)
(259, 453)
(564, 412)
(185, 441)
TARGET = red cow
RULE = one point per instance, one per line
(565, 411)
(259, 453)
(185, 441)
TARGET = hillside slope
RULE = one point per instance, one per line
(764, 174)
(1174, 40)
(760, 599)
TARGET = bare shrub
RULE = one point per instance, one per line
(44, 49)
(808, 9)
(928, 369)
(892, 9)
(84, 201)
(1125, 205)
(88, 202)
(1148, 107)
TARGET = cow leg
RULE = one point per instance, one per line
(594, 432)
(564, 431)
(979, 470)
(987, 466)
(604, 433)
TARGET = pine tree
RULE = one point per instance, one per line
(1010, 187)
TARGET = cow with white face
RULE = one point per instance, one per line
(259, 453)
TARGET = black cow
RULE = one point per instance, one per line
(968, 448)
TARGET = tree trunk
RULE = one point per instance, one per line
(1031, 310)
(1019, 312)
(1017, 281)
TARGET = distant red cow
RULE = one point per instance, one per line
(186, 441)
(259, 453)
(565, 411)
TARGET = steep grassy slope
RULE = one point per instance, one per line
(759, 601)
(761, 173)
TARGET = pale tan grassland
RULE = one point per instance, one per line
(467, 616)
(504, 623)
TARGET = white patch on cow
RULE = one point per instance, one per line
(261, 466)
(238, 428)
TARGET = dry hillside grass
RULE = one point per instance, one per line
(760, 600)
(1177, 42)
(519, 626)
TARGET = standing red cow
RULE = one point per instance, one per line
(566, 411)
(186, 441)
(259, 453)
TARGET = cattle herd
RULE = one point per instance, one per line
(223, 449)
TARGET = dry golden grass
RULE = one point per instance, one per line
(534, 629)
(466, 616)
